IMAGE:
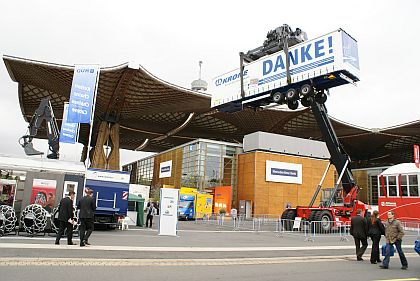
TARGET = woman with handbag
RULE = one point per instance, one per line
(375, 230)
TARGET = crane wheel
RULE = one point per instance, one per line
(322, 222)
(321, 97)
(277, 97)
(306, 90)
(293, 105)
(292, 95)
(288, 218)
(312, 215)
(307, 101)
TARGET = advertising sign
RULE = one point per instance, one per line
(416, 156)
(283, 172)
(112, 176)
(43, 193)
(165, 169)
(168, 217)
(69, 131)
(82, 93)
(7, 192)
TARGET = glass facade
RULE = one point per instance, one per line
(205, 164)
(141, 171)
(209, 164)
(368, 182)
(373, 183)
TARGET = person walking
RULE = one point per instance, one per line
(375, 231)
(87, 208)
(150, 211)
(358, 229)
(66, 219)
(393, 234)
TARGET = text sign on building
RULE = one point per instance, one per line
(283, 172)
(165, 169)
(82, 93)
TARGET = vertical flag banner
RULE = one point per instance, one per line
(416, 156)
(82, 93)
(69, 131)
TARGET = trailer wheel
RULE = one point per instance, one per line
(323, 221)
(293, 104)
(288, 218)
(306, 90)
(306, 101)
(277, 97)
(321, 97)
(292, 95)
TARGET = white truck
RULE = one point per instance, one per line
(314, 66)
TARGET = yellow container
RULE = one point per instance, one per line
(204, 205)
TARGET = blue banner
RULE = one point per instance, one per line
(69, 131)
(82, 93)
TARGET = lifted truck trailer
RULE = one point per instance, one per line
(304, 73)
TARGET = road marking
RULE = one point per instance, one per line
(171, 249)
(13, 261)
(403, 279)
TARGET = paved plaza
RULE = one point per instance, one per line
(199, 252)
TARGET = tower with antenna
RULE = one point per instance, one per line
(199, 84)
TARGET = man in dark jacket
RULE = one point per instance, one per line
(87, 209)
(65, 217)
(358, 229)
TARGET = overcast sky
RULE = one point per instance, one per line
(168, 38)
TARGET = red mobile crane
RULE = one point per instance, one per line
(336, 207)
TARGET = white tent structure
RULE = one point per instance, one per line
(32, 164)
(401, 169)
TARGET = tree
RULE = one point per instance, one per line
(155, 192)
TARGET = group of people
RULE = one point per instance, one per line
(361, 228)
(86, 207)
(66, 218)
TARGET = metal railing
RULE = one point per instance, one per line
(281, 227)
(411, 228)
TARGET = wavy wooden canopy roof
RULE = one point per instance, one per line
(166, 115)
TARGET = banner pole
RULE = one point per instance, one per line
(77, 141)
(92, 117)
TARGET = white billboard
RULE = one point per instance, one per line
(168, 216)
(165, 169)
(283, 172)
